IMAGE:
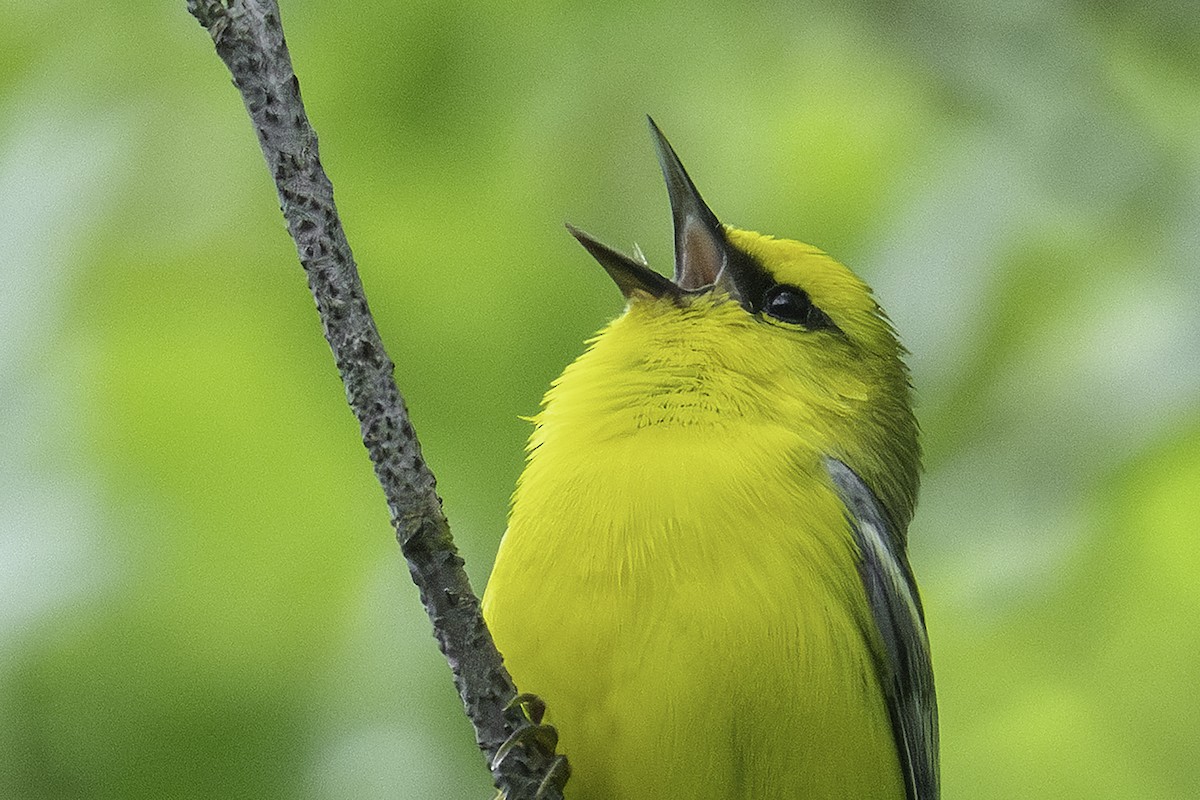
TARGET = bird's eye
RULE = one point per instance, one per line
(792, 304)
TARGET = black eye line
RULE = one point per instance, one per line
(753, 283)
(822, 321)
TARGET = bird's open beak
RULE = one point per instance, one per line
(701, 250)
(630, 276)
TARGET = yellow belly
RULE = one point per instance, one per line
(699, 640)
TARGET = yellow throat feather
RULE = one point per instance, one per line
(685, 579)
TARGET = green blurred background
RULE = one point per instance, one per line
(199, 592)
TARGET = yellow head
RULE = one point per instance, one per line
(753, 334)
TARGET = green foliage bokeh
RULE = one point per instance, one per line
(199, 593)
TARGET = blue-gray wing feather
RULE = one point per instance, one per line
(906, 672)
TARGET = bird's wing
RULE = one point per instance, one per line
(904, 665)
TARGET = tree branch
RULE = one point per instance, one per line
(249, 38)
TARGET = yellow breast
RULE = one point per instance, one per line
(678, 582)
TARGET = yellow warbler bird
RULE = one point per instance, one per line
(704, 575)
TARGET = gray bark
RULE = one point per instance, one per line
(249, 38)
